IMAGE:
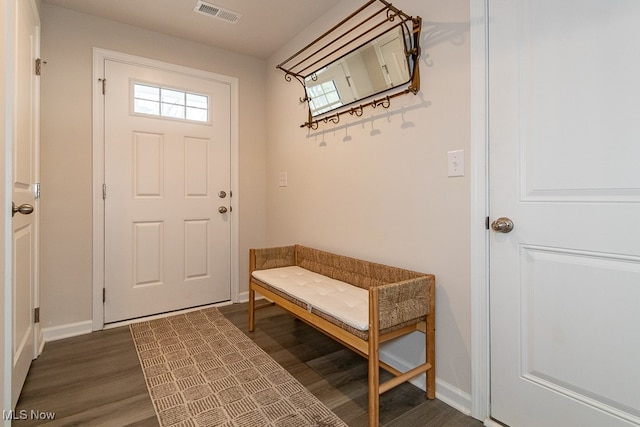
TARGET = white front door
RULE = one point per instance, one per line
(24, 178)
(564, 133)
(167, 245)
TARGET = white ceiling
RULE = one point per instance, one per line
(264, 27)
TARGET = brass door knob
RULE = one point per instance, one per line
(24, 209)
(502, 225)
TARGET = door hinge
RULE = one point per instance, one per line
(104, 191)
(38, 66)
(36, 190)
(104, 85)
(104, 295)
(36, 315)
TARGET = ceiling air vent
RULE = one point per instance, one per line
(217, 12)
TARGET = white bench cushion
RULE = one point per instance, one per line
(345, 302)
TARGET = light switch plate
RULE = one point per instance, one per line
(455, 163)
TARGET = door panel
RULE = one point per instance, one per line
(148, 251)
(196, 167)
(23, 327)
(148, 161)
(565, 283)
(556, 336)
(196, 249)
(24, 172)
(166, 245)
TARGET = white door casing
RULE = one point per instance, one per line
(565, 283)
(196, 144)
(25, 151)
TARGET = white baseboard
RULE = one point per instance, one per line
(41, 341)
(67, 331)
(453, 396)
(243, 297)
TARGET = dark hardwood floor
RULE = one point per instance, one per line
(96, 379)
(93, 379)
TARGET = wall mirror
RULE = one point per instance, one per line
(373, 52)
(375, 67)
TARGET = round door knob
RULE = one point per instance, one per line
(24, 209)
(222, 209)
(502, 225)
(222, 194)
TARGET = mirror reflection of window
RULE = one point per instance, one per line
(323, 96)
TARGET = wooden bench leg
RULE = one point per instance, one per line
(252, 309)
(430, 338)
(374, 359)
(374, 388)
(252, 293)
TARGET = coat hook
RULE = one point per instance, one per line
(356, 110)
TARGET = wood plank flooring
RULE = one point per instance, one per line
(96, 379)
(93, 379)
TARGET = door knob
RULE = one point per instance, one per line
(24, 209)
(222, 209)
(222, 194)
(502, 225)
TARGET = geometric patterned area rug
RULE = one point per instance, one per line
(201, 370)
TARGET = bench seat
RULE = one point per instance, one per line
(340, 300)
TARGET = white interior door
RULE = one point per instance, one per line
(167, 245)
(25, 175)
(394, 61)
(565, 168)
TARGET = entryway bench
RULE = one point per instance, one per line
(358, 303)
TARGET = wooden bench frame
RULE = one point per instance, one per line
(368, 348)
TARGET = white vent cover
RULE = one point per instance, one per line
(217, 12)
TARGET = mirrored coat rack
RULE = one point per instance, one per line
(365, 60)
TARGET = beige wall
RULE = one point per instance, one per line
(67, 41)
(377, 187)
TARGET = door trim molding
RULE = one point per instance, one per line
(99, 58)
(480, 339)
